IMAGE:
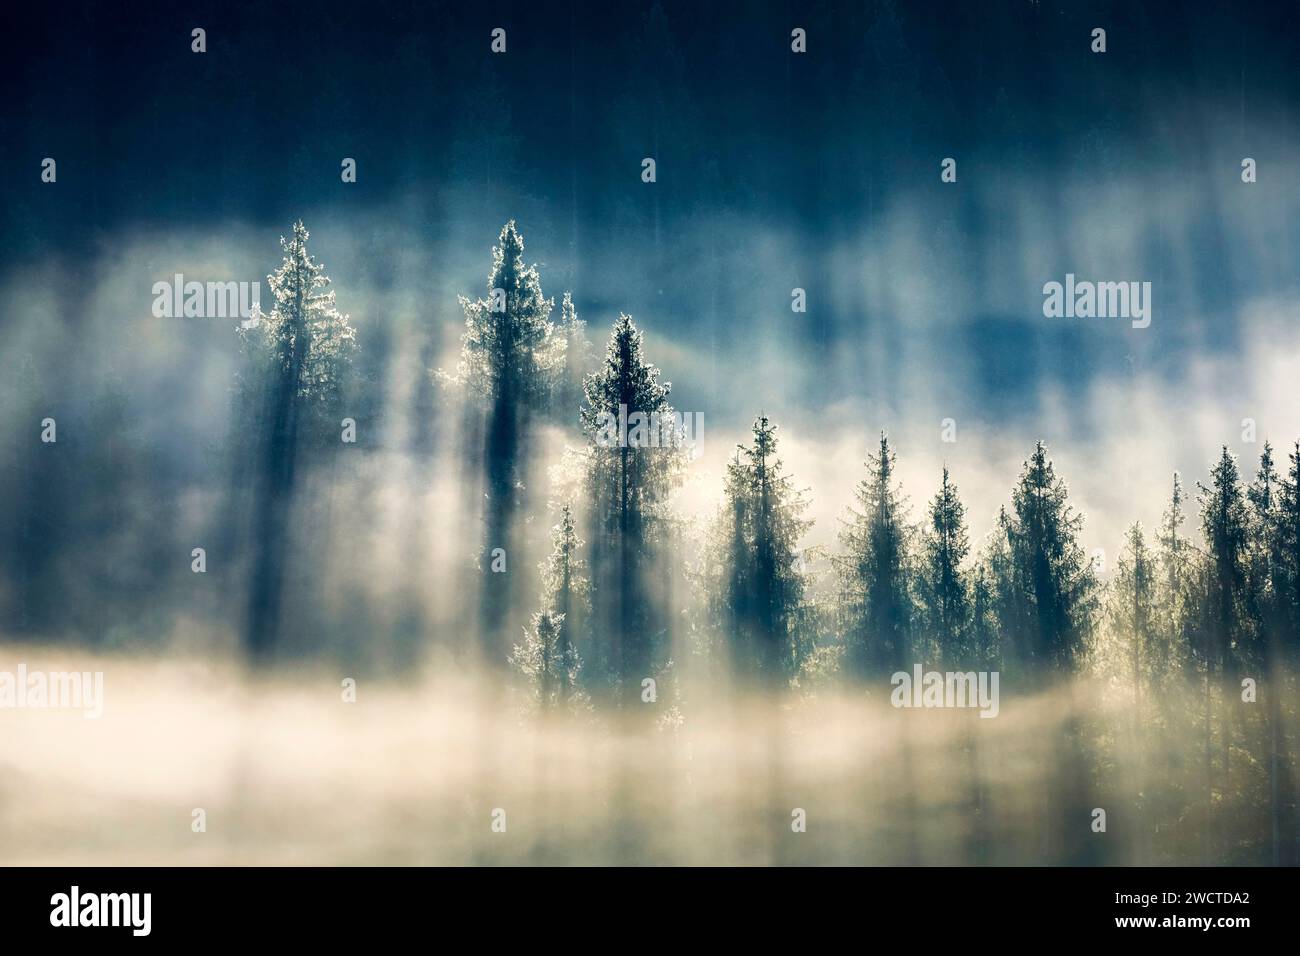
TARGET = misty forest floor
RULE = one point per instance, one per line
(419, 773)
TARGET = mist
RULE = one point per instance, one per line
(359, 572)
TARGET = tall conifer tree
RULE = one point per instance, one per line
(762, 584)
(1055, 584)
(874, 541)
(634, 456)
(942, 589)
(508, 356)
(300, 353)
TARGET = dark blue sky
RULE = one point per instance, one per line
(151, 132)
(775, 170)
(820, 146)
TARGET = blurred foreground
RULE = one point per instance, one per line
(411, 774)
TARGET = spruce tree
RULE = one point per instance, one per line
(1267, 589)
(1288, 558)
(942, 589)
(984, 633)
(1000, 614)
(305, 345)
(1264, 560)
(571, 332)
(1132, 609)
(763, 586)
(1224, 630)
(1175, 564)
(1054, 581)
(874, 543)
(1225, 524)
(632, 466)
(733, 558)
(547, 662)
(299, 354)
(509, 348)
(1286, 649)
(1133, 606)
(508, 357)
(565, 592)
(1166, 711)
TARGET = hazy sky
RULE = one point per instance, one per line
(774, 171)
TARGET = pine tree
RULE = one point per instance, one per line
(300, 352)
(1166, 651)
(1225, 524)
(999, 614)
(1175, 566)
(565, 592)
(733, 554)
(629, 478)
(508, 357)
(1257, 651)
(1223, 630)
(984, 644)
(942, 590)
(547, 661)
(1133, 606)
(509, 346)
(1055, 584)
(1264, 560)
(578, 361)
(1132, 609)
(761, 522)
(1267, 589)
(1286, 646)
(874, 541)
(304, 345)
(1288, 558)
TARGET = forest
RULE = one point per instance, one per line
(1161, 691)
